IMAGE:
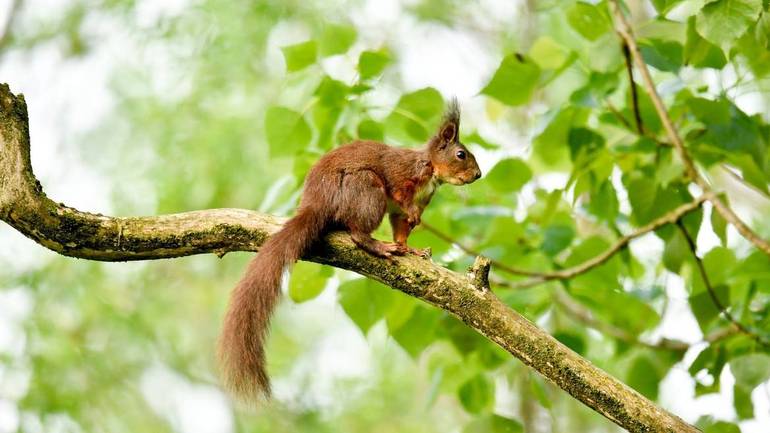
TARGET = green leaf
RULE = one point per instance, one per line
(719, 226)
(711, 360)
(663, 6)
(550, 146)
(307, 281)
(704, 308)
(588, 20)
(331, 92)
(300, 56)
(732, 133)
(493, 424)
(571, 339)
(723, 21)
(418, 332)
(372, 63)
(400, 311)
(476, 138)
(477, 394)
(677, 250)
(547, 53)
(369, 129)
(365, 301)
(641, 194)
(719, 263)
(539, 391)
(750, 370)
(286, 131)
(416, 114)
(583, 144)
(509, 175)
(754, 267)
(711, 426)
(600, 290)
(514, 82)
(644, 377)
(762, 31)
(604, 202)
(669, 168)
(464, 339)
(750, 170)
(336, 39)
(662, 54)
(556, 238)
(701, 53)
(744, 407)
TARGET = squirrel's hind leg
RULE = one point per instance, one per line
(361, 209)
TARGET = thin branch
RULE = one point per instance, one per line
(563, 274)
(713, 294)
(624, 30)
(471, 251)
(632, 86)
(585, 316)
(24, 206)
(618, 115)
(645, 134)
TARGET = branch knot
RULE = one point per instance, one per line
(479, 273)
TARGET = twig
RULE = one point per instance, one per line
(563, 274)
(624, 30)
(618, 115)
(469, 250)
(632, 86)
(645, 134)
(712, 293)
(585, 316)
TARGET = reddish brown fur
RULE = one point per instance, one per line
(351, 187)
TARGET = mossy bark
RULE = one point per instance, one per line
(70, 232)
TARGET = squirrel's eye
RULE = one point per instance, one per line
(460, 154)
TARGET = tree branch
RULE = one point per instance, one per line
(632, 86)
(78, 234)
(624, 30)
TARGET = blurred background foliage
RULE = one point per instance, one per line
(215, 103)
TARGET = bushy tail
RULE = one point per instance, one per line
(241, 346)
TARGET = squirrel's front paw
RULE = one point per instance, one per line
(425, 253)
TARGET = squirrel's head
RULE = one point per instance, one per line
(452, 161)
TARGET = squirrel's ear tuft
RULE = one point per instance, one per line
(450, 124)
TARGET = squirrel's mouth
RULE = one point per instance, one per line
(459, 180)
(470, 178)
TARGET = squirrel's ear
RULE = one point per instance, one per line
(448, 132)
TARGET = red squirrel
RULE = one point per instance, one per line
(351, 187)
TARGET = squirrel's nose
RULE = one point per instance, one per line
(477, 175)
